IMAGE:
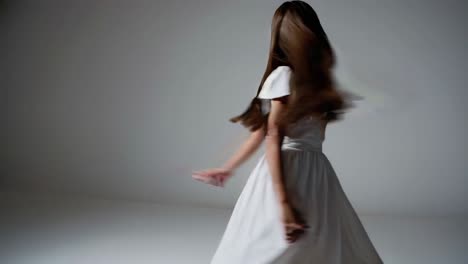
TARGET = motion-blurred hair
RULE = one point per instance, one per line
(299, 41)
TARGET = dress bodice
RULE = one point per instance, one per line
(306, 134)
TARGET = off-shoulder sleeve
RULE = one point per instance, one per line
(276, 84)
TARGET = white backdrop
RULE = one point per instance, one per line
(122, 99)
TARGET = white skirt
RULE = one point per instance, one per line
(254, 233)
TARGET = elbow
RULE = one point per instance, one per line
(272, 141)
(258, 136)
(273, 135)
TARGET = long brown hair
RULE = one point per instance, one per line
(299, 41)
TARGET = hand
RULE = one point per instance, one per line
(216, 176)
(294, 226)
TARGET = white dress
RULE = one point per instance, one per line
(254, 233)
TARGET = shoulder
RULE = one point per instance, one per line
(276, 84)
(280, 71)
(278, 74)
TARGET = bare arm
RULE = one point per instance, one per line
(218, 176)
(273, 138)
(293, 222)
(246, 149)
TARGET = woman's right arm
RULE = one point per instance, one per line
(273, 138)
(292, 220)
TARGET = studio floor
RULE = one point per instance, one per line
(37, 229)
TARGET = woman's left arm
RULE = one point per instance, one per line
(218, 176)
(248, 147)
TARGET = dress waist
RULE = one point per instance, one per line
(300, 144)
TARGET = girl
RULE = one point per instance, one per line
(292, 209)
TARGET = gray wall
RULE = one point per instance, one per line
(123, 99)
